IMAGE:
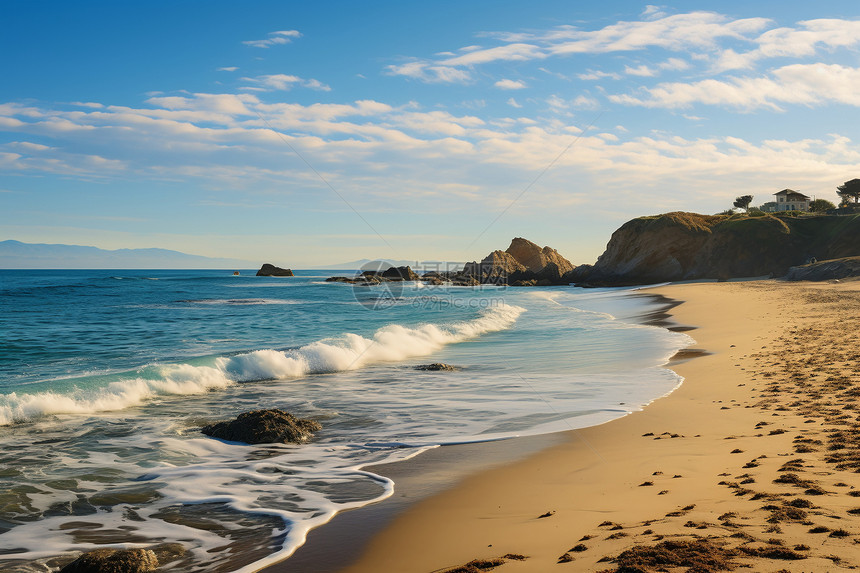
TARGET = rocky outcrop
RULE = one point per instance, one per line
(113, 561)
(268, 270)
(536, 259)
(495, 268)
(835, 269)
(393, 274)
(684, 246)
(396, 274)
(524, 263)
(264, 427)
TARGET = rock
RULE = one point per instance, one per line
(400, 274)
(113, 561)
(339, 280)
(436, 367)
(167, 552)
(268, 270)
(577, 275)
(264, 427)
(495, 268)
(551, 273)
(524, 264)
(535, 258)
(460, 280)
(834, 269)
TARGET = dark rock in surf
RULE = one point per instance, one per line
(268, 270)
(392, 274)
(113, 561)
(436, 367)
(264, 427)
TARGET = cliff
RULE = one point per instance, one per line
(684, 246)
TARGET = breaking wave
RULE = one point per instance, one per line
(349, 351)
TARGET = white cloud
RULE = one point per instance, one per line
(513, 103)
(316, 85)
(28, 146)
(426, 72)
(557, 103)
(229, 104)
(404, 158)
(598, 75)
(510, 84)
(641, 71)
(798, 84)
(284, 82)
(799, 42)
(227, 69)
(676, 64)
(585, 102)
(681, 32)
(695, 33)
(274, 39)
(653, 12)
(516, 52)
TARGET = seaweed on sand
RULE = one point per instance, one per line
(480, 565)
(699, 556)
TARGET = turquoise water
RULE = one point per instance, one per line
(107, 376)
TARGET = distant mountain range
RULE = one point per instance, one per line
(18, 255)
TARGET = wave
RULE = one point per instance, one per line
(347, 352)
(239, 301)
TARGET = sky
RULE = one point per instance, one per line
(305, 133)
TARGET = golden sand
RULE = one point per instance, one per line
(751, 464)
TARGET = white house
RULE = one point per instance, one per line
(790, 200)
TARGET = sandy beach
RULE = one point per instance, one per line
(751, 463)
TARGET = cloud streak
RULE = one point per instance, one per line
(797, 84)
(275, 39)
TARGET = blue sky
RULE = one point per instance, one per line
(305, 133)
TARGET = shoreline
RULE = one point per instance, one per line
(339, 543)
(695, 467)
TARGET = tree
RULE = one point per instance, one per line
(821, 205)
(743, 202)
(850, 190)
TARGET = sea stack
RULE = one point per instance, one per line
(268, 270)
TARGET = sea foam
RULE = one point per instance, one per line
(347, 352)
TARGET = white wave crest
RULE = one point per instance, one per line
(348, 352)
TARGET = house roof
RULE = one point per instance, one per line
(792, 193)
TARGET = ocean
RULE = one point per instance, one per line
(107, 376)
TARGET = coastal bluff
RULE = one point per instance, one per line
(687, 246)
